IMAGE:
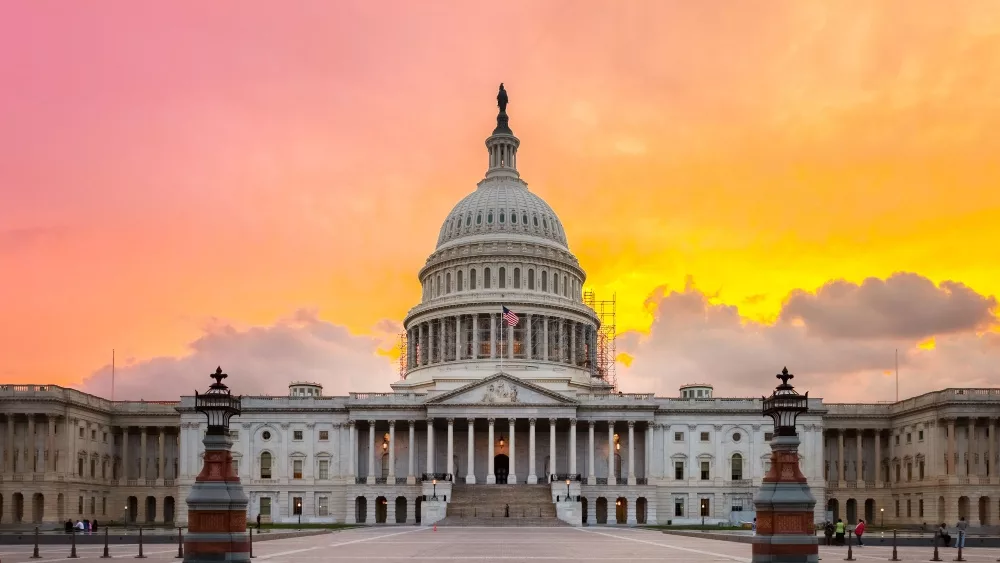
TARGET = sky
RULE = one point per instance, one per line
(256, 184)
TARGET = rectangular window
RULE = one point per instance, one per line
(93, 434)
(296, 434)
(80, 505)
(920, 435)
(236, 467)
(678, 436)
(679, 470)
(920, 468)
(897, 508)
(324, 469)
(704, 471)
(679, 507)
(265, 506)
(322, 506)
(704, 436)
(81, 432)
(93, 505)
(705, 507)
(324, 435)
(296, 506)
(105, 437)
(737, 468)
(768, 436)
(297, 469)
(909, 471)
(897, 439)
(909, 437)
(104, 506)
(920, 508)
(909, 508)
(265, 465)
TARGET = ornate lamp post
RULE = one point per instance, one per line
(784, 503)
(217, 505)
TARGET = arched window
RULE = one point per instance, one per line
(737, 467)
(472, 278)
(545, 280)
(458, 286)
(487, 278)
(437, 286)
(513, 217)
(517, 278)
(479, 218)
(503, 217)
(489, 218)
(447, 282)
(265, 465)
(565, 286)
(531, 278)
(502, 282)
(555, 284)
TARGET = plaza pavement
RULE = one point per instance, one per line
(509, 545)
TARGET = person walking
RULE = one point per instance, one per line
(840, 531)
(859, 530)
(962, 526)
(753, 526)
(828, 532)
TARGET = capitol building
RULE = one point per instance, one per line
(506, 407)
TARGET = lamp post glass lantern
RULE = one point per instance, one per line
(435, 483)
(785, 405)
(218, 404)
(567, 489)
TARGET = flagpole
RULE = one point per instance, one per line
(112, 375)
(503, 322)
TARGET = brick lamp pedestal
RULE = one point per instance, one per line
(217, 509)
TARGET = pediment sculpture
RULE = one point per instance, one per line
(500, 392)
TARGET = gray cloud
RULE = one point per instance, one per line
(259, 360)
(903, 306)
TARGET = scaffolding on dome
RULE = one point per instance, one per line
(606, 349)
(401, 344)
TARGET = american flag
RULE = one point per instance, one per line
(510, 316)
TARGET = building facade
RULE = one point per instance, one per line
(504, 385)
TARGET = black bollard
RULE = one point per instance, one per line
(937, 538)
(140, 556)
(180, 544)
(850, 553)
(895, 557)
(72, 551)
(251, 544)
(34, 554)
(106, 554)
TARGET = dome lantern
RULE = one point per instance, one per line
(502, 144)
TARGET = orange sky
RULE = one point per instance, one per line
(171, 169)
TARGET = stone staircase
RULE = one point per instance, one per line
(501, 505)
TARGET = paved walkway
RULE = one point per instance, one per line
(509, 545)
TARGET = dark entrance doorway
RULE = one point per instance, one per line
(501, 468)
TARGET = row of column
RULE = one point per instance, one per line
(461, 337)
(470, 477)
(25, 455)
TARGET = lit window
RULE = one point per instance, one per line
(297, 469)
(322, 506)
(296, 506)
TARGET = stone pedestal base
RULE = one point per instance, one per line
(217, 509)
(470, 479)
(491, 479)
(532, 479)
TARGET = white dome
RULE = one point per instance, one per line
(502, 205)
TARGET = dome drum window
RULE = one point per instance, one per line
(489, 218)
(479, 218)
(502, 281)
(487, 278)
(503, 217)
(513, 217)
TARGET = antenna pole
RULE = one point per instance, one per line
(112, 375)
(897, 375)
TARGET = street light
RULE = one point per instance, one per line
(882, 511)
(567, 489)
(435, 483)
(785, 405)
(218, 405)
(298, 506)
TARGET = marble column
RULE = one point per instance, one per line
(840, 456)
(143, 455)
(545, 338)
(510, 341)
(878, 457)
(160, 446)
(371, 455)
(458, 337)
(991, 449)
(8, 463)
(552, 448)
(410, 477)
(443, 339)
(572, 343)
(422, 356)
(475, 336)
(391, 477)
(572, 446)
(512, 476)
(591, 474)
(493, 336)
(631, 453)
(491, 479)
(50, 446)
(950, 462)
(527, 339)
(352, 451)
(31, 447)
(859, 473)
(430, 445)
(470, 475)
(970, 449)
(451, 449)
(532, 477)
(612, 479)
(125, 459)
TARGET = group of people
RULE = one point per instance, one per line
(81, 526)
(834, 532)
(960, 529)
